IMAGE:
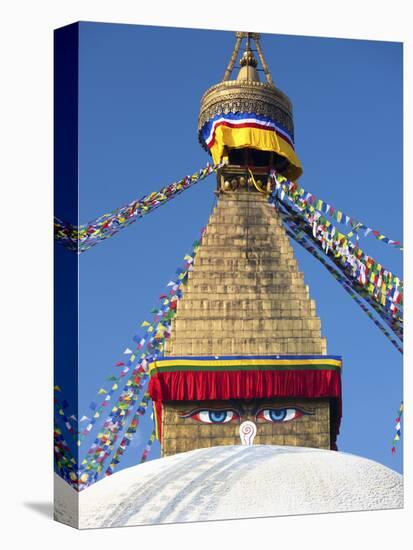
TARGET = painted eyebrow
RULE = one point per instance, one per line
(198, 409)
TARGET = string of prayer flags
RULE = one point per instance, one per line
(296, 229)
(82, 237)
(126, 440)
(385, 288)
(117, 379)
(398, 428)
(62, 416)
(307, 201)
(344, 283)
(155, 347)
(111, 426)
(101, 448)
(66, 464)
(148, 447)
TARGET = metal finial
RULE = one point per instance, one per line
(248, 58)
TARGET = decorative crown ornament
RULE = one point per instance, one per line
(247, 95)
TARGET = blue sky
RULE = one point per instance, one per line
(140, 89)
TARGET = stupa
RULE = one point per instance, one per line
(246, 362)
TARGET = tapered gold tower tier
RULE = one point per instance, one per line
(245, 295)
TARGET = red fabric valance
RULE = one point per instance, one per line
(200, 386)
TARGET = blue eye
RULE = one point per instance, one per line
(217, 416)
(210, 416)
(280, 415)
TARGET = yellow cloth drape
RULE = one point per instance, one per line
(256, 138)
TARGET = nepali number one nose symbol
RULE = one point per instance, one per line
(247, 432)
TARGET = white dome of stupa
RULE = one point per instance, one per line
(232, 482)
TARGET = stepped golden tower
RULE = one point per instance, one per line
(246, 362)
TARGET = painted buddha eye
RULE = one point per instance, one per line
(215, 417)
(210, 416)
(280, 415)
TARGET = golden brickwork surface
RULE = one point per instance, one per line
(185, 434)
(245, 295)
